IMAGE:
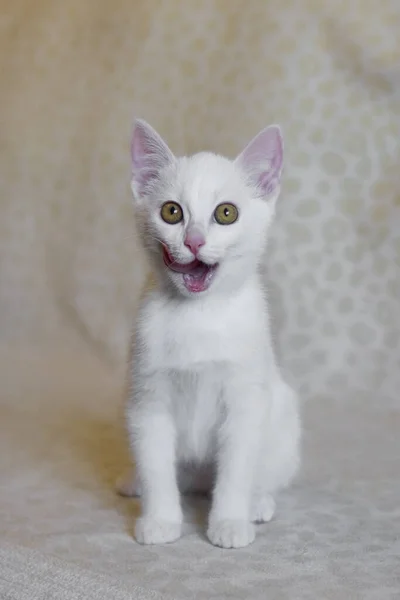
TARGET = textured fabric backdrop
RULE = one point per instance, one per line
(208, 76)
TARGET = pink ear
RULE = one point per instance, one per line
(149, 155)
(262, 160)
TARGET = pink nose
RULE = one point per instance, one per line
(194, 240)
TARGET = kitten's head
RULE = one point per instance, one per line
(204, 218)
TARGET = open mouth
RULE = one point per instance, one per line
(197, 276)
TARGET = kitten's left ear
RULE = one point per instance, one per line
(262, 161)
(150, 154)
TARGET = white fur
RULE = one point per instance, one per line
(208, 409)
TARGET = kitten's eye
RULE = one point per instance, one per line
(226, 214)
(171, 213)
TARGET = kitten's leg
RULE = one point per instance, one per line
(189, 482)
(153, 441)
(280, 453)
(239, 437)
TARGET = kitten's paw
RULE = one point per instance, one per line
(263, 509)
(156, 531)
(230, 533)
(128, 485)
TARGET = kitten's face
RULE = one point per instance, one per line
(204, 218)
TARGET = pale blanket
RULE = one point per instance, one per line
(207, 74)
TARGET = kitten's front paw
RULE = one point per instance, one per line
(230, 533)
(156, 531)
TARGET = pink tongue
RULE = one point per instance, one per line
(196, 280)
(194, 273)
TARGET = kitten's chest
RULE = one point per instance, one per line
(195, 398)
(189, 342)
(192, 335)
(193, 343)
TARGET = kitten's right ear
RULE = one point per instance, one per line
(150, 154)
(262, 161)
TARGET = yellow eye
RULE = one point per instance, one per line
(226, 214)
(171, 213)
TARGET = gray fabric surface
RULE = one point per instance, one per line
(28, 575)
(336, 534)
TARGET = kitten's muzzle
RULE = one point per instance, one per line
(197, 275)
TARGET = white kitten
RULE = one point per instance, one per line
(208, 409)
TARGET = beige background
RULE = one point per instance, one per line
(207, 75)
